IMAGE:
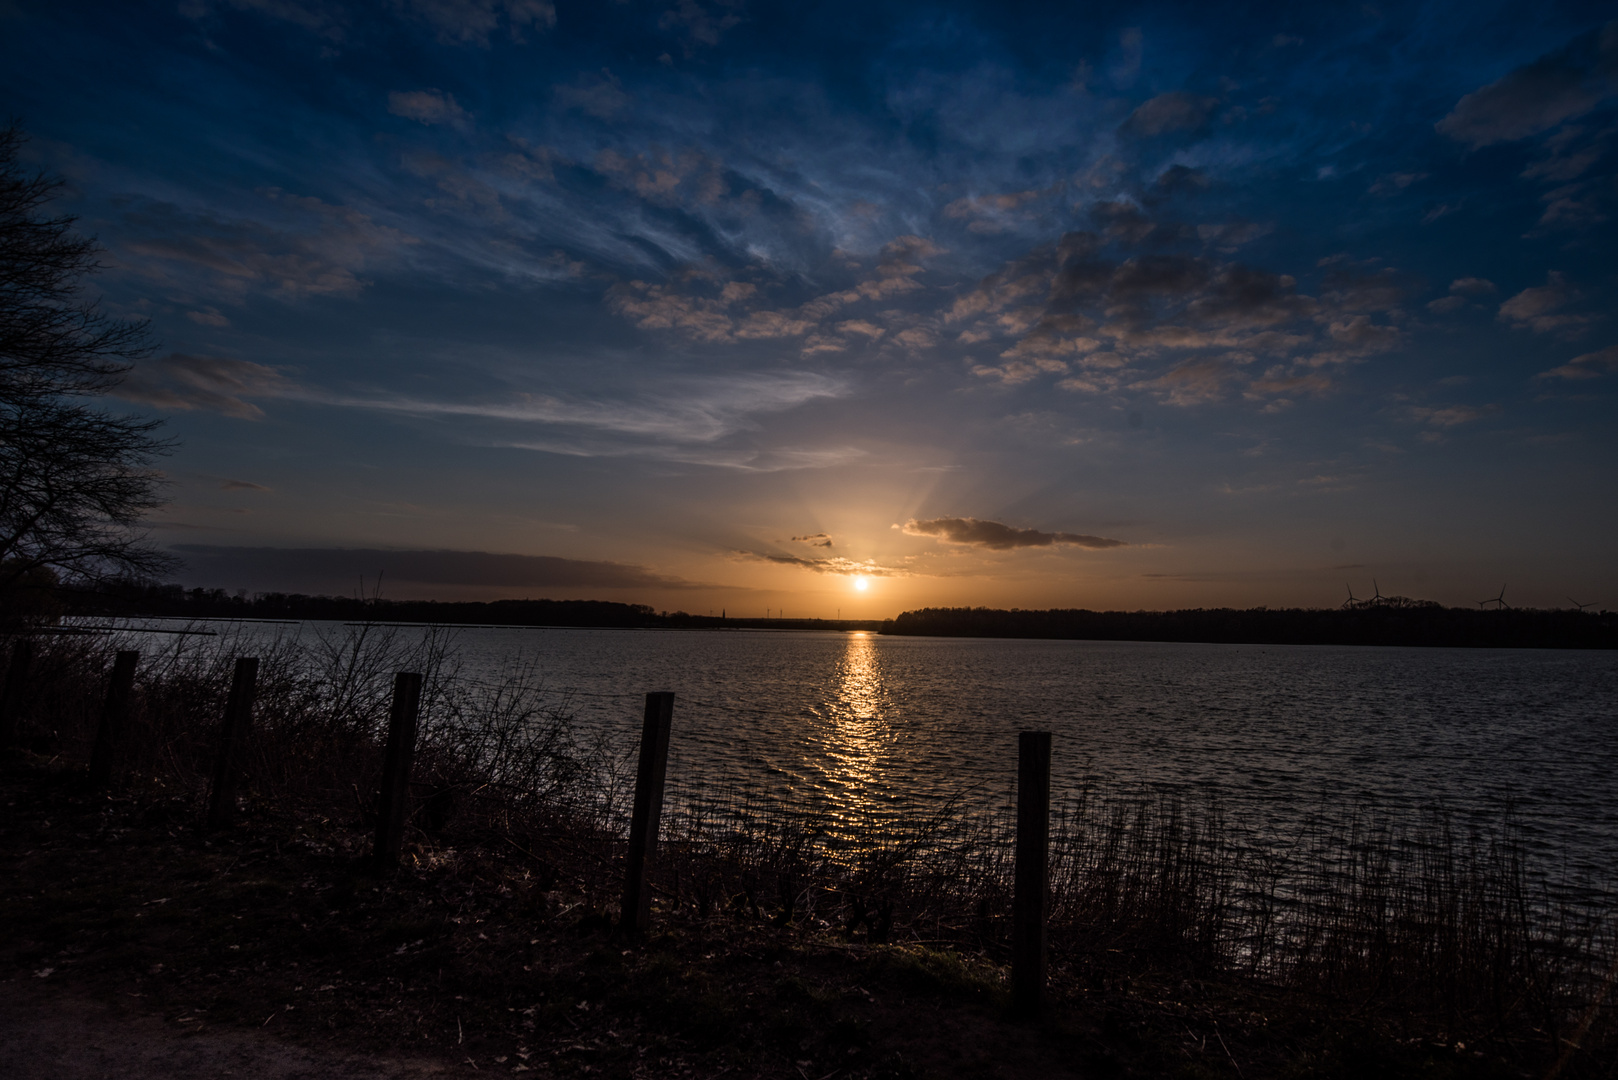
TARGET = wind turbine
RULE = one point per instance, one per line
(1352, 601)
(1580, 606)
(1498, 601)
(1377, 598)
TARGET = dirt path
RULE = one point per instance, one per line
(46, 1034)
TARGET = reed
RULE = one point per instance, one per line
(1438, 931)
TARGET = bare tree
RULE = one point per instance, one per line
(75, 479)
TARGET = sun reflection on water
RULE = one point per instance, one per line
(857, 738)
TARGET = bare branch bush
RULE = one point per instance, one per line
(1440, 929)
(75, 480)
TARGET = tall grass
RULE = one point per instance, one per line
(1451, 934)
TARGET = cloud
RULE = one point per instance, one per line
(1573, 205)
(314, 17)
(467, 22)
(1174, 111)
(1588, 366)
(1472, 286)
(208, 316)
(663, 307)
(182, 382)
(294, 568)
(667, 179)
(1361, 335)
(1538, 96)
(241, 485)
(602, 97)
(428, 107)
(1536, 308)
(697, 302)
(1394, 182)
(700, 25)
(1180, 180)
(307, 247)
(471, 22)
(833, 565)
(1461, 289)
(976, 532)
(1559, 168)
(1230, 235)
(1191, 382)
(690, 411)
(814, 540)
(991, 214)
(1451, 415)
(1181, 326)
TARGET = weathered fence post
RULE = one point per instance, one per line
(13, 697)
(114, 720)
(654, 759)
(394, 807)
(232, 740)
(1029, 898)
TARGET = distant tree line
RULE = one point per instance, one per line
(1418, 623)
(1408, 623)
(175, 601)
(138, 599)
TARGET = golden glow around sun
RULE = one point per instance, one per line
(862, 583)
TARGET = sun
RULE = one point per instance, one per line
(862, 584)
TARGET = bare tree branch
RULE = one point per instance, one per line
(75, 480)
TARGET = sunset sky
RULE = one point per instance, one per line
(713, 304)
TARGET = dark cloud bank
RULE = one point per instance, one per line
(976, 532)
(339, 569)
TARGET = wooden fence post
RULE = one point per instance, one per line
(16, 690)
(1031, 886)
(232, 742)
(654, 759)
(114, 721)
(394, 807)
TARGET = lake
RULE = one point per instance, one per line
(872, 727)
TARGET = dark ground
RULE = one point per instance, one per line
(136, 948)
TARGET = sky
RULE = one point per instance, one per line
(844, 309)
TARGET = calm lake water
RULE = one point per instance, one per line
(866, 725)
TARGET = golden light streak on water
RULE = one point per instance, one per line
(857, 739)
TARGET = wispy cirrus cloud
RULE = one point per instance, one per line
(182, 382)
(688, 421)
(463, 22)
(996, 536)
(293, 247)
(829, 565)
(1449, 416)
(1171, 112)
(1592, 365)
(677, 411)
(472, 22)
(428, 107)
(426, 567)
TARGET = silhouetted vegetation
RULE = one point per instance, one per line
(1410, 623)
(173, 601)
(75, 480)
(1356, 946)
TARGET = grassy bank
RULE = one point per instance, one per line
(1180, 944)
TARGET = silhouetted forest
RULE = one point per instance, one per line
(173, 601)
(1387, 621)
(1408, 623)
